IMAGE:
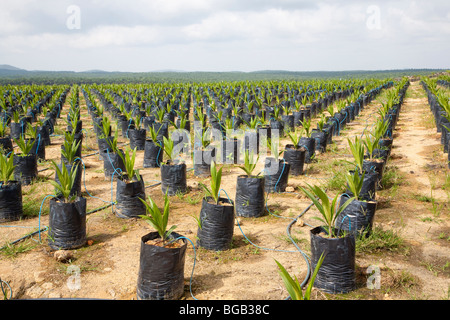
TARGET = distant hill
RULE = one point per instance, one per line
(13, 75)
(9, 67)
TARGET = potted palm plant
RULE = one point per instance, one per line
(308, 142)
(358, 216)
(17, 126)
(320, 135)
(370, 177)
(295, 154)
(10, 191)
(276, 170)
(249, 198)
(372, 160)
(130, 188)
(67, 217)
(204, 153)
(112, 157)
(6, 145)
(138, 134)
(25, 162)
(337, 272)
(173, 171)
(104, 132)
(162, 256)
(153, 152)
(38, 146)
(70, 158)
(216, 220)
(275, 122)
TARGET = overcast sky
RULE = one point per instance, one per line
(224, 35)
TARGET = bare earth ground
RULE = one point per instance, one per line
(418, 269)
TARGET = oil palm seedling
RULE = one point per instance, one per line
(328, 208)
(294, 153)
(157, 219)
(173, 170)
(249, 198)
(130, 188)
(162, 256)
(216, 215)
(293, 285)
(337, 272)
(10, 190)
(67, 217)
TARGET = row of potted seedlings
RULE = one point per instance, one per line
(20, 168)
(215, 223)
(438, 100)
(350, 215)
(153, 282)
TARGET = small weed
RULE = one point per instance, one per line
(12, 250)
(379, 240)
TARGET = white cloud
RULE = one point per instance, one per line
(231, 34)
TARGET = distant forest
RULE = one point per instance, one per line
(23, 77)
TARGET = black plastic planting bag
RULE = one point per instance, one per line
(288, 121)
(296, 158)
(310, 145)
(249, 199)
(161, 270)
(153, 154)
(173, 178)
(277, 125)
(376, 166)
(230, 151)
(44, 134)
(112, 164)
(337, 272)
(67, 224)
(357, 217)
(128, 195)
(298, 118)
(217, 224)
(202, 162)
(321, 140)
(26, 168)
(276, 174)
(17, 129)
(6, 145)
(11, 208)
(137, 138)
(38, 148)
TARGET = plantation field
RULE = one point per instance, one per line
(409, 248)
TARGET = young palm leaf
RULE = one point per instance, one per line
(24, 145)
(157, 219)
(216, 179)
(357, 149)
(355, 183)
(66, 181)
(328, 210)
(249, 163)
(6, 167)
(129, 159)
(293, 286)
